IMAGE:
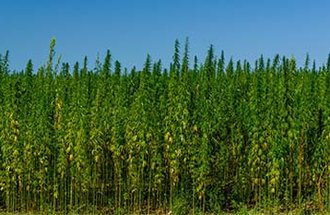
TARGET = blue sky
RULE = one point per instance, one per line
(133, 28)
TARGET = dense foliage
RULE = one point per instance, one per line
(208, 137)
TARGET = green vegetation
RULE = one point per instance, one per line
(218, 136)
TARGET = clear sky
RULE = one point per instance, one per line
(133, 28)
